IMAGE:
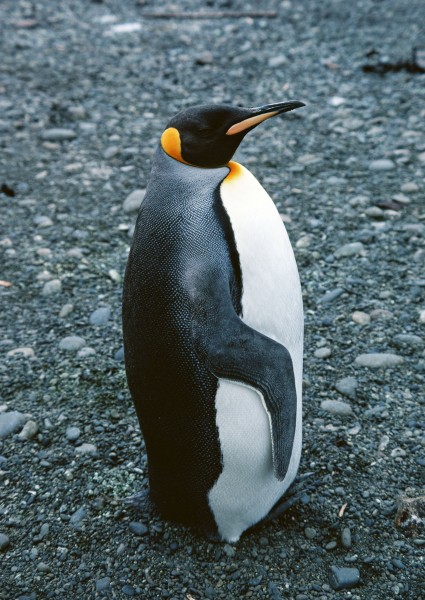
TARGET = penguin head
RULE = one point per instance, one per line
(208, 135)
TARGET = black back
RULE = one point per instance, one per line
(181, 222)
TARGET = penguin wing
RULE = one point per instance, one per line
(232, 350)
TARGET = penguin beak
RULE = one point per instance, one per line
(261, 113)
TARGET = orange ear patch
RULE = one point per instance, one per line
(171, 144)
(235, 171)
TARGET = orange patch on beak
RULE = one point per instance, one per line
(250, 122)
(171, 144)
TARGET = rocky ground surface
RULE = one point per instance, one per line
(85, 91)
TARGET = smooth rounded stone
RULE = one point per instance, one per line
(383, 443)
(29, 431)
(75, 253)
(52, 287)
(421, 157)
(351, 249)
(374, 212)
(381, 314)
(360, 317)
(72, 433)
(43, 221)
(78, 515)
(322, 352)
(119, 354)
(133, 201)
(409, 187)
(346, 538)
(398, 452)
(331, 295)
(66, 310)
(310, 533)
(58, 134)
(10, 422)
(304, 241)
(73, 167)
(331, 545)
(382, 164)
(343, 578)
(102, 585)
(138, 528)
(111, 152)
(406, 339)
(25, 351)
(378, 360)
(85, 352)
(100, 316)
(278, 61)
(309, 159)
(347, 386)
(72, 343)
(4, 542)
(336, 407)
(86, 449)
(401, 199)
(422, 317)
(128, 590)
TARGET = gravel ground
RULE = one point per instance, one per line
(83, 102)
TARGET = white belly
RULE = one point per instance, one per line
(272, 304)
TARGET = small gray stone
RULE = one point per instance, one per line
(382, 164)
(72, 343)
(10, 422)
(100, 316)
(24, 351)
(378, 360)
(409, 187)
(310, 533)
(278, 61)
(133, 201)
(102, 585)
(322, 352)
(72, 433)
(111, 152)
(350, 250)
(374, 212)
(4, 541)
(331, 296)
(52, 287)
(347, 386)
(331, 545)
(78, 515)
(66, 310)
(342, 578)
(119, 354)
(85, 352)
(336, 407)
(43, 221)
(138, 528)
(346, 538)
(29, 430)
(360, 317)
(86, 449)
(58, 135)
(406, 339)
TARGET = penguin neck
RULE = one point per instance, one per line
(191, 172)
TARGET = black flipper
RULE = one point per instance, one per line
(232, 350)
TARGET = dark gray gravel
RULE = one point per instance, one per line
(83, 101)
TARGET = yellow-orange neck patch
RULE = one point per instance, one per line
(171, 144)
(235, 171)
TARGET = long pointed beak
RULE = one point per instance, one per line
(261, 113)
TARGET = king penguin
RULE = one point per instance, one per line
(213, 329)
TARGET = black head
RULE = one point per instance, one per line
(208, 135)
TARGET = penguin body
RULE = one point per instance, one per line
(213, 332)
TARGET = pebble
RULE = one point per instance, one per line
(103, 584)
(409, 187)
(128, 590)
(396, 452)
(331, 545)
(346, 538)
(43, 221)
(342, 578)
(10, 422)
(25, 351)
(52, 287)
(378, 360)
(361, 318)
(374, 212)
(111, 152)
(86, 449)
(4, 541)
(58, 135)
(351, 249)
(78, 515)
(347, 386)
(100, 316)
(138, 528)
(331, 295)
(382, 164)
(66, 310)
(322, 352)
(310, 533)
(381, 313)
(383, 443)
(72, 343)
(29, 430)
(72, 433)
(336, 407)
(422, 317)
(278, 61)
(85, 352)
(406, 339)
(119, 354)
(133, 201)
